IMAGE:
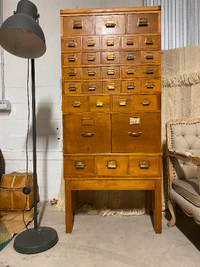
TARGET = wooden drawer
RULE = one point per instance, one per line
(72, 88)
(149, 57)
(130, 72)
(112, 165)
(84, 133)
(91, 58)
(131, 86)
(110, 57)
(122, 103)
(151, 85)
(79, 166)
(71, 59)
(150, 42)
(100, 103)
(111, 87)
(130, 42)
(146, 102)
(136, 133)
(81, 25)
(71, 44)
(110, 42)
(150, 71)
(143, 23)
(91, 73)
(72, 73)
(129, 57)
(91, 43)
(75, 104)
(145, 166)
(110, 24)
(110, 72)
(91, 87)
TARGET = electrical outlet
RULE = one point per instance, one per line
(5, 105)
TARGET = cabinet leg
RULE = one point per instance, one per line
(75, 202)
(148, 201)
(157, 207)
(68, 207)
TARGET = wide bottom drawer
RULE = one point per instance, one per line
(127, 165)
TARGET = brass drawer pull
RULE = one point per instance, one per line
(111, 86)
(91, 58)
(77, 24)
(111, 56)
(149, 71)
(77, 104)
(144, 164)
(129, 42)
(91, 88)
(111, 164)
(130, 57)
(91, 43)
(149, 56)
(72, 88)
(72, 73)
(110, 24)
(122, 102)
(146, 102)
(91, 73)
(130, 86)
(110, 42)
(150, 85)
(79, 165)
(110, 72)
(130, 71)
(71, 43)
(135, 134)
(87, 134)
(149, 41)
(71, 58)
(142, 22)
(99, 103)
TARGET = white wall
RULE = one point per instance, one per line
(48, 89)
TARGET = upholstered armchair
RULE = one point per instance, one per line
(183, 157)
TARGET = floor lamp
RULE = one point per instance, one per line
(22, 36)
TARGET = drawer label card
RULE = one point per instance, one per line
(135, 120)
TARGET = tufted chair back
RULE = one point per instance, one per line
(184, 138)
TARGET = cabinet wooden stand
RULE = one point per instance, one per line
(111, 103)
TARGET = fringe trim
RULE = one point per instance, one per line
(183, 79)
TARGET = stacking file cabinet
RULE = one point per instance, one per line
(111, 103)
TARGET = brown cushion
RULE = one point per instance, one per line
(188, 188)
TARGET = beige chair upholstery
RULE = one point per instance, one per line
(183, 151)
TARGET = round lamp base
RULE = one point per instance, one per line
(34, 241)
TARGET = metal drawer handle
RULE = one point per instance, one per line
(77, 24)
(150, 85)
(79, 165)
(135, 134)
(130, 57)
(144, 164)
(72, 73)
(110, 72)
(72, 88)
(91, 88)
(110, 42)
(111, 56)
(129, 42)
(130, 71)
(99, 103)
(111, 86)
(77, 104)
(91, 43)
(71, 43)
(149, 56)
(91, 73)
(149, 41)
(142, 22)
(87, 134)
(110, 24)
(122, 102)
(130, 86)
(71, 58)
(146, 102)
(149, 71)
(111, 164)
(91, 58)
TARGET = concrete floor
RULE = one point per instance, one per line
(112, 241)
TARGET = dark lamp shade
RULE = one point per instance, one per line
(21, 35)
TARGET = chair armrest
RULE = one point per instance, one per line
(184, 156)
